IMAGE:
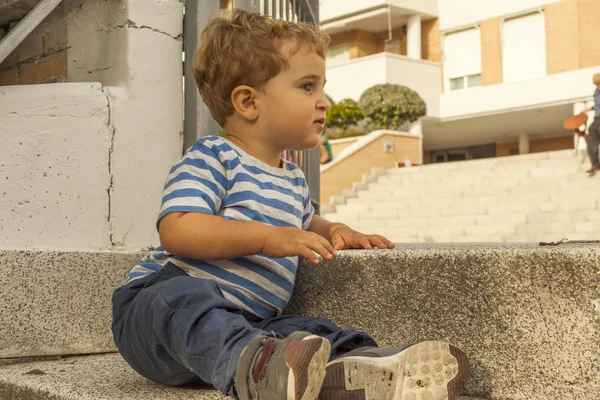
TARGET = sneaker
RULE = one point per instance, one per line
(425, 371)
(273, 369)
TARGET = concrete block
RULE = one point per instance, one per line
(59, 302)
(513, 309)
(54, 167)
(389, 215)
(91, 378)
(360, 186)
(348, 208)
(592, 228)
(496, 230)
(441, 231)
(349, 193)
(337, 200)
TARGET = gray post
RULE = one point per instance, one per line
(252, 5)
(198, 121)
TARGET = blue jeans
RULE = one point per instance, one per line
(175, 329)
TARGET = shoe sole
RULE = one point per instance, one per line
(426, 371)
(307, 362)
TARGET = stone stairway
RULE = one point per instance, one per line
(528, 198)
(527, 316)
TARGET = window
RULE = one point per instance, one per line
(462, 59)
(524, 47)
(338, 54)
(465, 82)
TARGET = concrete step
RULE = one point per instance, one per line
(98, 377)
(52, 298)
(518, 312)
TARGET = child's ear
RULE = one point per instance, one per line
(243, 99)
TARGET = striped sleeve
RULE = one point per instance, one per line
(197, 183)
(309, 210)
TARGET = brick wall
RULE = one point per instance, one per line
(537, 146)
(42, 57)
(491, 52)
(589, 33)
(342, 175)
(562, 25)
(431, 41)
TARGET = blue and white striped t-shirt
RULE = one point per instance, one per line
(216, 177)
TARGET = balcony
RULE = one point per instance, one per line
(350, 79)
(372, 15)
(556, 89)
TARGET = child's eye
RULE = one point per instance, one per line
(307, 86)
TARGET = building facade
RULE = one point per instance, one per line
(499, 77)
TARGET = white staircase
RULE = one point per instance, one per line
(527, 198)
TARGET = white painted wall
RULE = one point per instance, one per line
(54, 174)
(352, 78)
(334, 9)
(147, 117)
(566, 87)
(133, 48)
(458, 13)
(420, 76)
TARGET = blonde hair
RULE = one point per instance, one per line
(243, 49)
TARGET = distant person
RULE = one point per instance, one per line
(593, 139)
(326, 153)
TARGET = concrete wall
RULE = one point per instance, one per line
(54, 171)
(133, 49)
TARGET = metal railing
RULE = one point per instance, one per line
(26, 26)
(198, 121)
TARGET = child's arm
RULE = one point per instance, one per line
(343, 237)
(211, 237)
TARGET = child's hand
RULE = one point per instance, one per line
(344, 237)
(289, 242)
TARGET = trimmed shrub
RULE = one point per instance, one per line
(344, 114)
(391, 106)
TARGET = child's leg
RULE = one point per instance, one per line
(342, 340)
(173, 328)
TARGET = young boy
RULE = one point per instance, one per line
(206, 306)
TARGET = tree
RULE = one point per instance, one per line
(390, 106)
(344, 114)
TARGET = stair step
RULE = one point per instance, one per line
(98, 377)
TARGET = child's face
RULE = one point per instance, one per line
(292, 105)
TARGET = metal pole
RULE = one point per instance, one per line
(26, 26)
(252, 5)
(198, 121)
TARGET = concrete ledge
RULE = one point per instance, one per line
(105, 377)
(527, 316)
(59, 302)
